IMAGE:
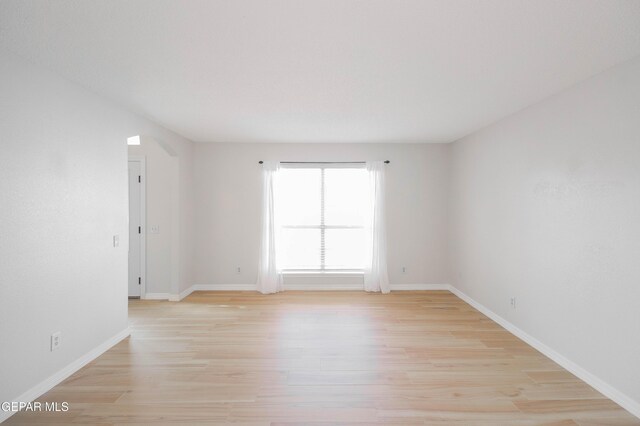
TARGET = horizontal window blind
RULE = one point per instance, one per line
(321, 216)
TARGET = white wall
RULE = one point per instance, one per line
(169, 206)
(162, 209)
(546, 208)
(227, 190)
(63, 182)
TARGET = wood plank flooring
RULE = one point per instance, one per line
(323, 357)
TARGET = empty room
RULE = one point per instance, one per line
(299, 212)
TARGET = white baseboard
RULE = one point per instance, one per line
(224, 287)
(598, 384)
(182, 295)
(317, 287)
(186, 292)
(157, 296)
(423, 287)
(67, 371)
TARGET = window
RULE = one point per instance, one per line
(320, 213)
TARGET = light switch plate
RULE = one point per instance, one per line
(116, 240)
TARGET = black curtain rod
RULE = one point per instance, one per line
(324, 162)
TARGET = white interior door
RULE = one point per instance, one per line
(135, 229)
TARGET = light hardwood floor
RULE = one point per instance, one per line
(339, 357)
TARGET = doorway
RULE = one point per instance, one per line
(137, 225)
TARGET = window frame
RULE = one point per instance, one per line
(322, 226)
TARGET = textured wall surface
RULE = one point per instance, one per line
(63, 180)
(546, 208)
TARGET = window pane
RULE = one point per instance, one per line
(298, 196)
(345, 196)
(344, 248)
(299, 249)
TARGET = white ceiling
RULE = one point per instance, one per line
(324, 70)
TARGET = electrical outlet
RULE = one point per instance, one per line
(155, 229)
(238, 270)
(512, 302)
(116, 240)
(56, 341)
(404, 269)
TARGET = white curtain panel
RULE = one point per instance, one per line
(376, 277)
(269, 278)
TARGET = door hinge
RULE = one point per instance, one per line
(139, 179)
(139, 280)
(139, 229)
